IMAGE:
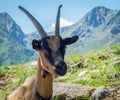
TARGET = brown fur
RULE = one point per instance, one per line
(26, 90)
(53, 43)
(51, 62)
(44, 86)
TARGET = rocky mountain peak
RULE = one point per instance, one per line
(4, 14)
(96, 16)
(10, 28)
(5, 22)
(102, 10)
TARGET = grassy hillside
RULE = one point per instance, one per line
(12, 53)
(97, 68)
(14, 76)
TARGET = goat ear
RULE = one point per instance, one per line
(71, 40)
(36, 44)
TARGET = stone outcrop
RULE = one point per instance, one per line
(68, 91)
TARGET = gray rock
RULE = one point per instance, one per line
(100, 93)
(68, 91)
(2, 83)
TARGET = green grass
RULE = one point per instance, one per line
(100, 67)
(18, 74)
(97, 68)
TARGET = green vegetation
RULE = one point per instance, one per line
(93, 32)
(13, 53)
(97, 68)
(14, 76)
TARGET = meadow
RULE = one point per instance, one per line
(96, 68)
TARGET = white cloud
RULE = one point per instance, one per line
(63, 22)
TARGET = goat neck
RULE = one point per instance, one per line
(43, 85)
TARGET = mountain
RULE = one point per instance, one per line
(12, 53)
(29, 37)
(9, 27)
(100, 27)
(12, 46)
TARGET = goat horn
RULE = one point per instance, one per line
(35, 22)
(57, 26)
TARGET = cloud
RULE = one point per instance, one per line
(63, 22)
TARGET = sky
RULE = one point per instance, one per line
(45, 11)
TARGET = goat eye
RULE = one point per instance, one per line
(43, 47)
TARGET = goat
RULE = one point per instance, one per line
(51, 51)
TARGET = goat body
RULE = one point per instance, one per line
(25, 91)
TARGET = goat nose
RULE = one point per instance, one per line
(60, 63)
(61, 68)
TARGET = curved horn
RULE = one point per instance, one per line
(35, 22)
(57, 26)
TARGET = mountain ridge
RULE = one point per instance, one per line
(9, 26)
(13, 49)
(93, 28)
(98, 28)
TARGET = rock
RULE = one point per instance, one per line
(114, 92)
(117, 63)
(79, 65)
(114, 52)
(2, 75)
(82, 73)
(100, 93)
(59, 97)
(70, 91)
(2, 83)
(69, 62)
(101, 57)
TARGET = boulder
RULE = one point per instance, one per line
(100, 93)
(68, 91)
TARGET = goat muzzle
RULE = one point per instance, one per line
(61, 68)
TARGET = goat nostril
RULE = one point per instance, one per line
(61, 68)
(60, 65)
